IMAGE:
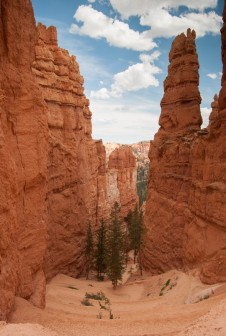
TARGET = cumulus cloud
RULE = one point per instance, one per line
(212, 75)
(158, 17)
(205, 112)
(202, 23)
(100, 94)
(123, 122)
(137, 76)
(129, 8)
(97, 25)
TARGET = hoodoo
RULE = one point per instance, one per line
(185, 211)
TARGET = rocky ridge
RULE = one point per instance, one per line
(185, 210)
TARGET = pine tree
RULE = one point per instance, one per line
(101, 250)
(115, 257)
(135, 226)
(89, 250)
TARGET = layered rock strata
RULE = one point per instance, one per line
(121, 179)
(73, 162)
(23, 161)
(53, 175)
(185, 211)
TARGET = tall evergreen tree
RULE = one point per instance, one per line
(115, 257)
(101, 250)
(135, 226)
(89, 250)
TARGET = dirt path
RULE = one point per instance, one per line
(144, 306)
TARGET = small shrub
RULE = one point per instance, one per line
(111, 316)
(102, 306)
(86, 302)
(167, 283)
(98, 296)
(72, 287)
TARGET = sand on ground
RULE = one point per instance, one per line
(170, 304)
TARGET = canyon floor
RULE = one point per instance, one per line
(186, 307)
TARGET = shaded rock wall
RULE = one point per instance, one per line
(185, 211)
(81, 188)
(73, 163)
(23, 161)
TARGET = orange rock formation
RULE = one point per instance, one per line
(185, 211)
(23, 161)
(121, 179)
(72, 155)
(53, 175)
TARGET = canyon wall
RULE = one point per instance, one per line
(23, 161)
(185, 211)
(141, 169)
(73, 156)
(121, 179)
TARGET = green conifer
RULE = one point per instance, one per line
(115, 257)
(101, 250)
(89, 250)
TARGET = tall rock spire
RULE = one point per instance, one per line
(185, 210)
(181, 101)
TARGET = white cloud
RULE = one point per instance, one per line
(92, 1)
(123, 122)
(117, 33)
(212, 75)
(170, 25)
(157, 15)
(205, 112)
(129, 8)
(137, 76)
(100, 94)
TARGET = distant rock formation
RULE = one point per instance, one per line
(215, 110)
(140, 151)
(121, 179)
(185, 211)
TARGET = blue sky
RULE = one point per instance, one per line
(122, 47)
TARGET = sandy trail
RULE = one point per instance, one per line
(137, 306)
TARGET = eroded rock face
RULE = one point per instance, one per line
(53, 175)
(121, 179)
(181, 101)
(73, 161)
(23, 161)
(185, 211)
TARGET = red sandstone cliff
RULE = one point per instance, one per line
(73, 157)
(121, 179)
(23, 161)
(53, 175)
(79, 182)
(185, 211)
